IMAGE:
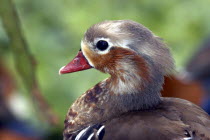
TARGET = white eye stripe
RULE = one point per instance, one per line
(123, 44)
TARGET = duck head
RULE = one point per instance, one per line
(136, 59)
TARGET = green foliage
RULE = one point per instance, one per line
(21, 54)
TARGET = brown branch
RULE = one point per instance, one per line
(24, 60)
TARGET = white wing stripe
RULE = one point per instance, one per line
(81, 133)
(100, 129)
(91, 135)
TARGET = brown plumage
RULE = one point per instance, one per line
(128, 104)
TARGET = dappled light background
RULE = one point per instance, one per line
(53, 30)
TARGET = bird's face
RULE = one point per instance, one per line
(117, 47)
(108, 57)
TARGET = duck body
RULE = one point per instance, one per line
(171, 119)
(128, 105)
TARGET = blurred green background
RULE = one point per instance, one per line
(54, 28)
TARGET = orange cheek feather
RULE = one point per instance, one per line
(110, 61)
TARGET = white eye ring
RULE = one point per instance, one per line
(96, 40)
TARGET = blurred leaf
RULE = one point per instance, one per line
(24, 61)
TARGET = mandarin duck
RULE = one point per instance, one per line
(128, 104)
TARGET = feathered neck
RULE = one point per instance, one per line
(135, 81)
(134, 90)
(135, 86)
(108, 99)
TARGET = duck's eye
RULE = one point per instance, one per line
(102, 45)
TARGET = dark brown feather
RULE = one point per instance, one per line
(170, 120)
